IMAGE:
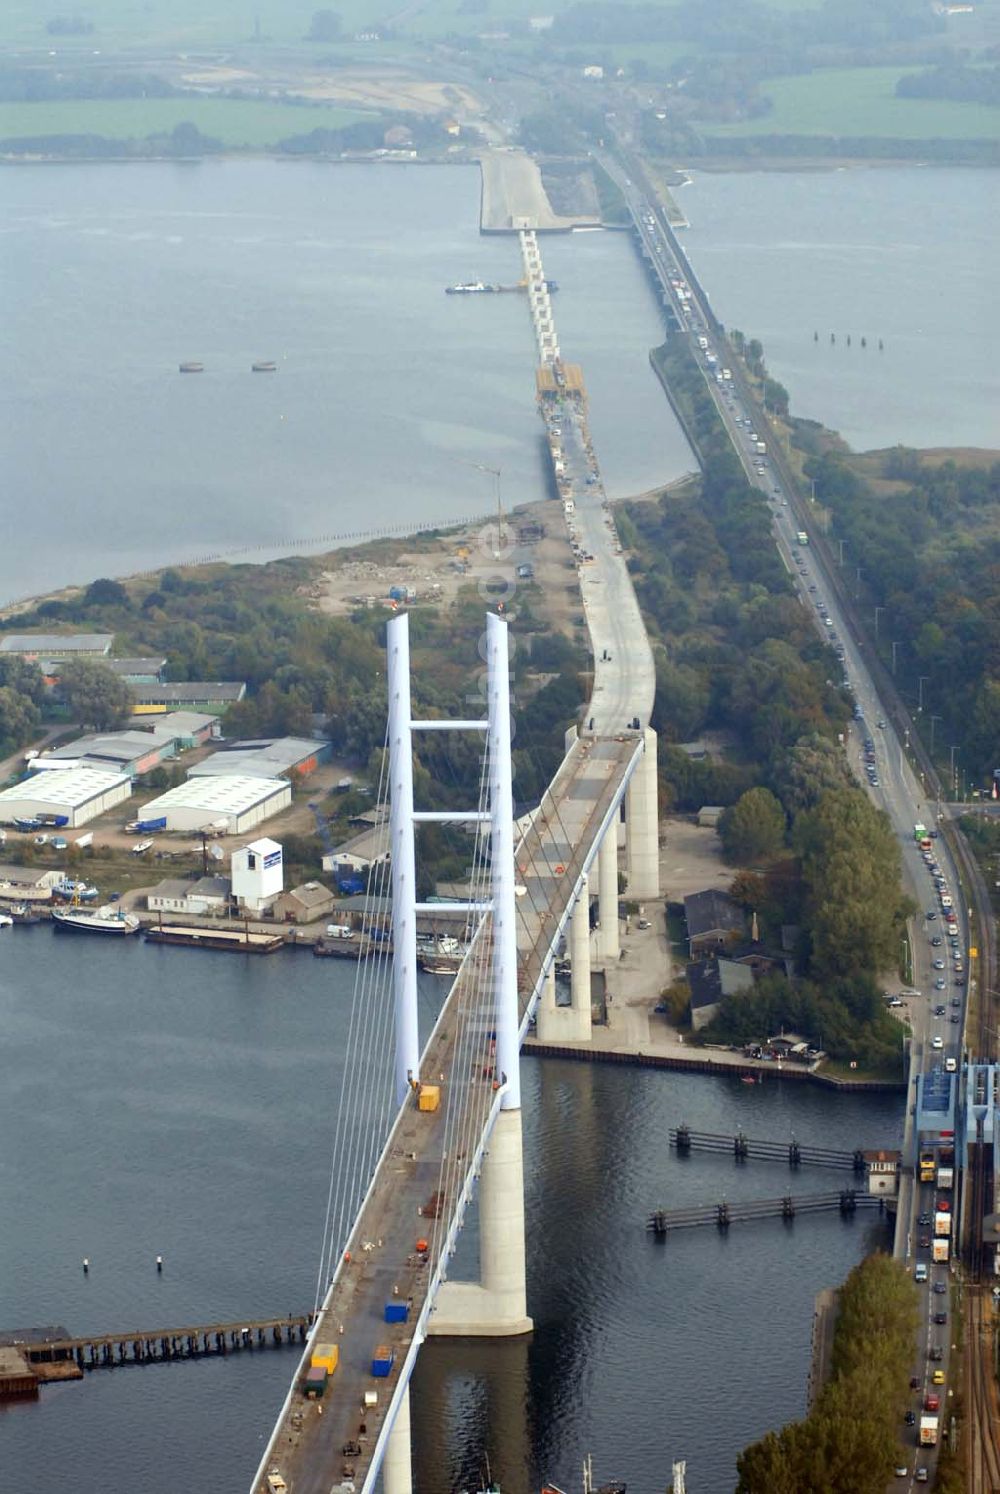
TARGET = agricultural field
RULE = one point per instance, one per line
(862, 102)
(236, 122)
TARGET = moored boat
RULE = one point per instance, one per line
(6, 922)
(108, 919)
(23, 913)
(442, 957)
(470, 288)
(264, 365)
(191, 367)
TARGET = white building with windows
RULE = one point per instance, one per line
(258, 874)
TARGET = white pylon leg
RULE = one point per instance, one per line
(496, 1305)
(642, 824)
(397, 1465)
(608, 944)
(502, 865)
(403, 859)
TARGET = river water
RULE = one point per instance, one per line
(903, 254)
(172, 1102)
(387, 393)
(175, 1102)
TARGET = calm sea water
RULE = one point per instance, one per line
(160, 1101)
(906, 255)
(387, 395)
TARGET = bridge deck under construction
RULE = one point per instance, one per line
(383, 1261)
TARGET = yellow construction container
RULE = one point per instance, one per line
(430, 1097)
(325, 1356)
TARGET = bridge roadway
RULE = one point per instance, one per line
(576, 809)
(306, 1447)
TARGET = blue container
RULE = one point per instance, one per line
(396, 1312)
(382, 1364)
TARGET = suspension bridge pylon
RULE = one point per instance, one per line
(496, 1305)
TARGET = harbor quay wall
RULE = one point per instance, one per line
(712, 1066)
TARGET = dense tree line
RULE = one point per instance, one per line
(969, 85)
(184, 140)
(739, 659)
(302, 667)
(30, 84)
(926, 538)
(848, 1444)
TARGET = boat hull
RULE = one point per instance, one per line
(74, 923)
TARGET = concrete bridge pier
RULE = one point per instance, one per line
(397, 1465)
(579, 1010)
(496, 1305)
(642, 830)
(608, 941)
(547, 1019)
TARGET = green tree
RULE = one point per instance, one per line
(19, 718)
(23, 677)
(95, 695)
(851, 876)
(814, 765)
(754, 828)
(105, 593)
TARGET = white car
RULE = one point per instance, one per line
(937, 1042)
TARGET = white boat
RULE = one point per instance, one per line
(109, 919)
(443, 957)
(6, 922)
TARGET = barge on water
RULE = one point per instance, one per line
(243, 941)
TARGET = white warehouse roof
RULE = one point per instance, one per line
(200, 802)
(68, 796)
(68, 788)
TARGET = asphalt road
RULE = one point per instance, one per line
(897, 791)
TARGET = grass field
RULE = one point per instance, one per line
(235, 122)
(862, 101)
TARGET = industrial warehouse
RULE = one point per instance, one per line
(68, 796)
(232, 805)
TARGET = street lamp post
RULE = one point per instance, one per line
(841, 544)
(877, 611)
(933, 720)
(953, 749)
(894, 648)
(922, 680)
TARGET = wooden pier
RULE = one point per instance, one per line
(662, 1221)
(50, 1357)
(744, 1148)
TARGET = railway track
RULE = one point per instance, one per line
(982, 1396)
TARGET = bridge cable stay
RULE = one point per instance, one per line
(471, 1035)
(526, 856)
(373, 1069)
(366, 1073)
(478, 1077)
